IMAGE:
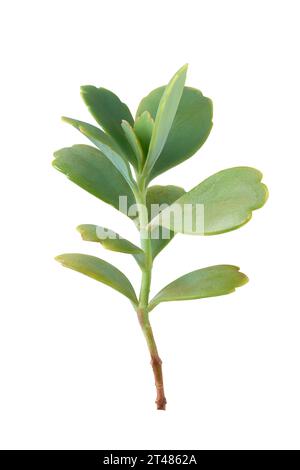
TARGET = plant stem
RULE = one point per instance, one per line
(142, 310)
(155, 359)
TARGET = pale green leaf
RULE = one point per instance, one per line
(208, 282)
(93, 133)
(111, 240)
(99, 270)
(134, 143)
(221, 203)
(164, 117)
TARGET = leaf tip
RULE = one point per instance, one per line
(183, 69)
(80, 229)
(244, 279)
(59, 258)
(85, 88)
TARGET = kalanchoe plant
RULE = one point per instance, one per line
(171, 124)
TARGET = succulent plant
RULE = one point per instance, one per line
(171, 124)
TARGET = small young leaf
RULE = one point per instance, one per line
(99, 270)
(164, 117)
(143, 127)
(227, 199)
(93, 133)
(208, 282)
(107, 146)
(108, 239)
(134, 143)
(111, 240)
(109, 111)
(158, 198)
(190, 129)
(92, 171)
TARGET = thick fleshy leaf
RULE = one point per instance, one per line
(91, 170)
(111, 241)
(164, 117)
(109, 111)
(143, 127)
(221, 203)
(99, 270)
(107, 146)
(190, 129)
(134, 143)
(93, 133)
(207, 282)
(158, 198)
(108, 238)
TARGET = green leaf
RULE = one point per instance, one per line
(207, 282)
(107, 146)
(226, 199)
(92, 171)
(157, 199)
(99, 270)
(111, 240)
(190, 129)
(134, 143)
(93, 133)
(164, 117)
(109, 112)
(108, 239)
(143, 127)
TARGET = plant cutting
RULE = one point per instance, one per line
(126, 154)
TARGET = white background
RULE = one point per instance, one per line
(75, 370)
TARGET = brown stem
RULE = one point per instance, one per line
(155, 359)
(160, 394)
